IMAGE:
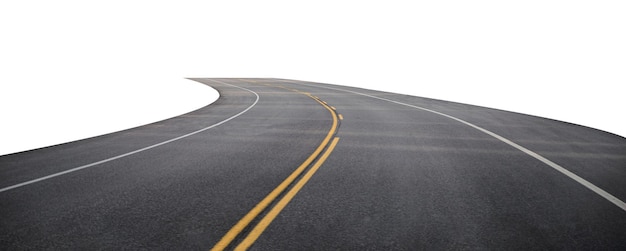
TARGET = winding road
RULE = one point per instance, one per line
(279, 164)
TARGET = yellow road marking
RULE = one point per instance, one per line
(332, 107)
(267, 220)
(340, 117)
(245, 221)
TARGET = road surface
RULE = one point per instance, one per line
(290, 165)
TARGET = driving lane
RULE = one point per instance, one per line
(181, 195)
(405, 178)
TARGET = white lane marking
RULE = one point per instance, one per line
(140, 150)
(557, 167)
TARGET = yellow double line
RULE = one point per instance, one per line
(329, 143)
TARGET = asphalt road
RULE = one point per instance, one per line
(289, 165)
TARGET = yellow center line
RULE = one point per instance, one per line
(249, 217)
(267, 220)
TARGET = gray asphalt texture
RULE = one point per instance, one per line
(400, 178)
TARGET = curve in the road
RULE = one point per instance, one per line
(409, 173)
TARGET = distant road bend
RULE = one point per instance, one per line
(279, 164)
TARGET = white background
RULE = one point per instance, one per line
(72, 69)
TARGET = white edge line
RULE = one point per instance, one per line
(555, 166)
(139, 150)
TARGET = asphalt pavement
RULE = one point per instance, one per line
(279, 164)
